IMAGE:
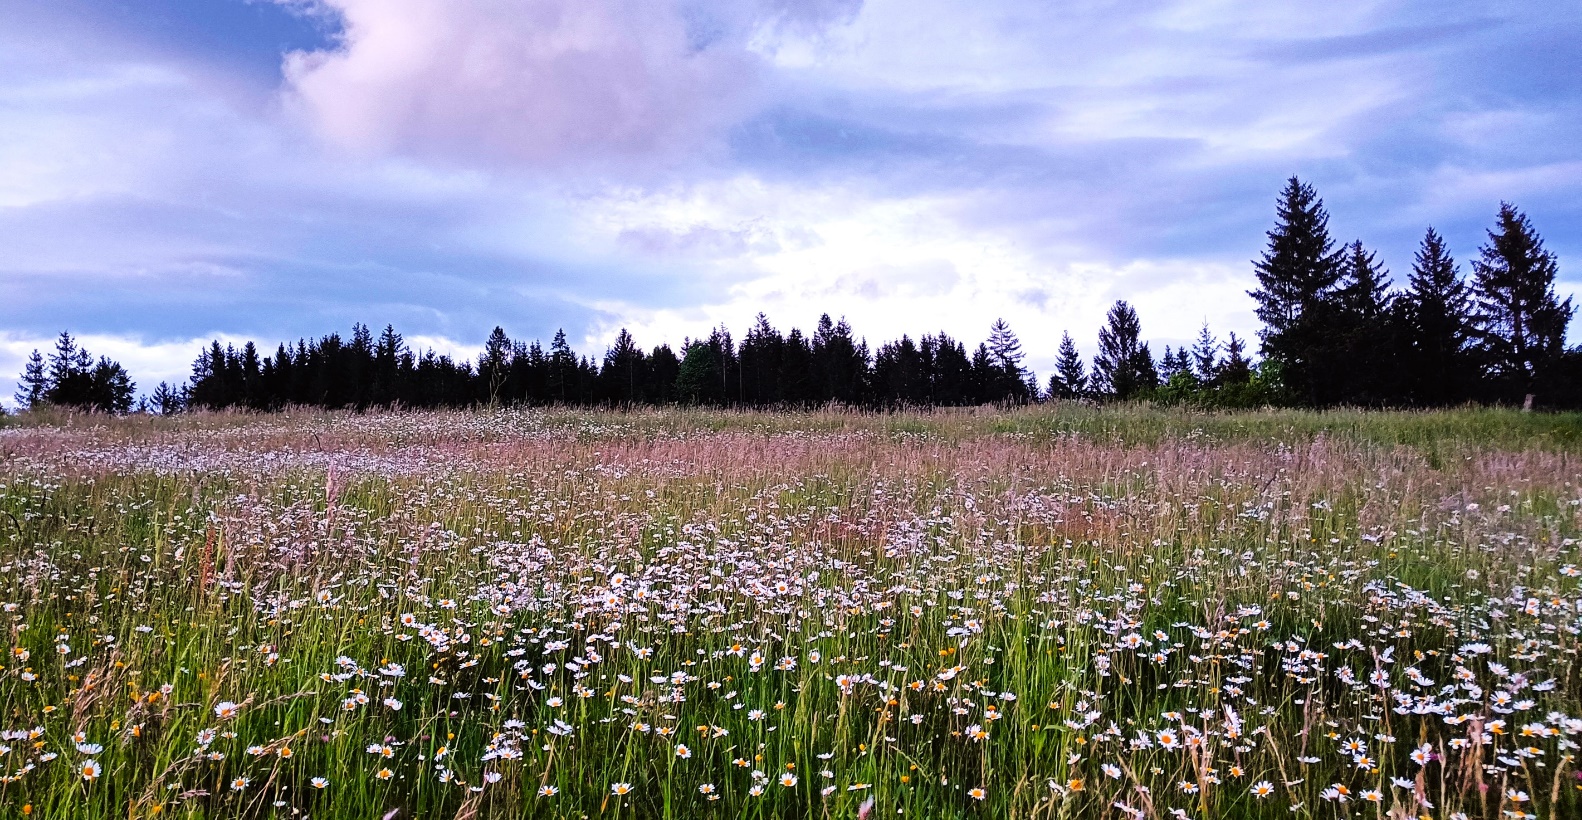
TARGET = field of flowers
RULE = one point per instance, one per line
(1055, 612)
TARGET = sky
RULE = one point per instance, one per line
(175, 171)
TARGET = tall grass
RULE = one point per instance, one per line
(1054, 612)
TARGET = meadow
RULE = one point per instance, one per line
(1054, 612)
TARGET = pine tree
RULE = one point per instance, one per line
(1522, 324)
(1072, 379)
(389, 353)
(664, 369)
(1005, 347)
(165, 400)
(71, 377)
(1235, 369)
(1437, 311)
(624, 373)
(840, 363)
(760, 355)
(1297, 277)
(1364, 331)
(1124, 367)
(796, 370)
(111, 388)
(562, 369)
(1070, 371)
(64, 363)
(33, 383)
(1205, 356)
(1007, 352)
(1167, 365)
(494, 366)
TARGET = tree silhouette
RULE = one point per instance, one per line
(1521, 323)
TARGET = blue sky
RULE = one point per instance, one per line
(173, 171)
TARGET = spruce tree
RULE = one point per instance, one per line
(1235, 369)
(1124, 367)
(1365, 338)
(1205, 356)
(33, 383)
(494, 366)
(1007, 352)
(562, 368)
(165, 400)
(71, 377)
(624, 373)
(760, 355)
(1437, 312)
(1297, 277)
(1069, 370)
(840, 363)
(111, 389)
(1521, 323)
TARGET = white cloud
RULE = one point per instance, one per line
(893, 266)
(546, 82)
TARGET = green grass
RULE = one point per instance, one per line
(918, 569)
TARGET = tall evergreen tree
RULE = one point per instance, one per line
(1437, 312)
(1205, 356)
(165, 400)
(840, 363)
(495, 364)
(1365, 337)
(624, 373)
(1123, 368)
(1521, 322)
(389, 352)
(1297, 277)
(71, 377)
(33, 383)
(562, 369)
(1175, 363)
(796, 370)
(761, 354)
(1007, 352)
(664, 370)
(899, 378)
(1070, 380)
(1235, 368)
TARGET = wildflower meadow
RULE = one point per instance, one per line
(1053, 612)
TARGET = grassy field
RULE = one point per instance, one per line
(1054, 612)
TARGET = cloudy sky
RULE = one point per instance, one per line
(173, 171)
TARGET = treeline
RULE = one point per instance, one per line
(71, 377)
(1334, 333)
(767, 368)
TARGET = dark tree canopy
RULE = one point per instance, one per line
(1521, 322)
(71, 377)
(1297, 278)
(1124, 367)
(1436, 313)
